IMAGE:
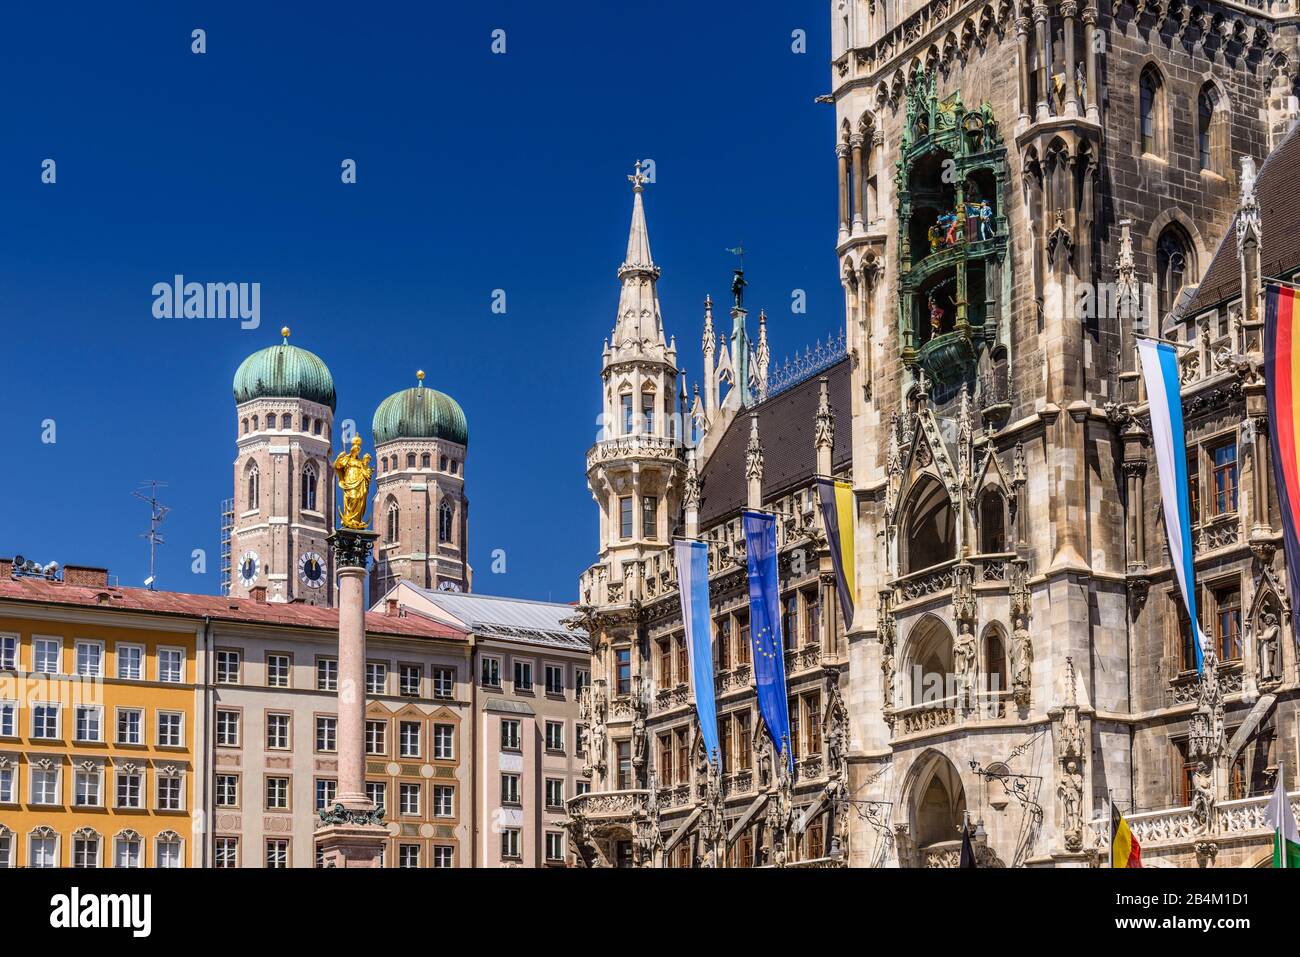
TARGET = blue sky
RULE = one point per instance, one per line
(475, 172)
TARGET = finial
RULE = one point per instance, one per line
(285, 332)
(637, 180)
(419, 375)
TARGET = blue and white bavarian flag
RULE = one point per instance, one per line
(765, 627)
(1164, 395)
(693, 587)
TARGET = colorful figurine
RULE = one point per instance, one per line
(936, 318)
(986, 220)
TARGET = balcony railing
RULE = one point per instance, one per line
(609, 805)
(1246, 817)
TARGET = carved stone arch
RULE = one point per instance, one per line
(988, 20)
(927, 524)
(995, 657)
(1176, 222)
(882, 95)
(950, 48)
(969, 36)
(916, 71)
(933, 798)
(897, 87)
(925, 662)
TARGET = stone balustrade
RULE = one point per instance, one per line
(608, 805)
(1179, 826)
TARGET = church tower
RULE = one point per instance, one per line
(634, 469)
(420, 508)
(284, 413)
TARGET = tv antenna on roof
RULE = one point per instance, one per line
(157, 512)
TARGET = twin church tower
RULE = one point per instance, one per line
(283, 505)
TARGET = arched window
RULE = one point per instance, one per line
(444, 523)
(410, 460)
(128, 850)
(424, 460)
(315, 426)
(255, 426)
(1173, 266)
(442, 463)
(252, 480)
(1151, 109)
(309, 487)
(930, 532)
(1211, 130)
(391, 525)
(244, 426)
(168, 850)
(383, 464)
(270, 421)
(995, 661)
(993, 526)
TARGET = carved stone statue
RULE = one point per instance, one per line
(1070, 791)
(763, 757)
(1267, 648)
(596, 755)
(638, 740)
(1203, 797)
(354, 474)
(888, 669)
(964, 654)
(1022, 661)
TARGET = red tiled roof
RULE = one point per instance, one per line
(217, 607)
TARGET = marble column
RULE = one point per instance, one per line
(1022, 42)
(1069, 10)
(859, 183)
(842, 152)
(1090, 79)
(351, 833)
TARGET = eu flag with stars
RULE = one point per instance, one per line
(765, 627)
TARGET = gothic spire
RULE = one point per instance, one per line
(639, 327)
(754, 464)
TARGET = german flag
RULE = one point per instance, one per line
(1282, 390)
(1125, 851)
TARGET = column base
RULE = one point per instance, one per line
(352, 845)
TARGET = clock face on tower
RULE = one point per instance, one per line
(249, 566)
(311, 570)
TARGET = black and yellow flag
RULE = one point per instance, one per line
(1125, 851)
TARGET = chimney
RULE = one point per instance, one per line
(258, 593)
(85, 576)
(391, 608)
(6, 567)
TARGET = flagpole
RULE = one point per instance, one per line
(1169, 342)
(1110, 821)
(1275, 281)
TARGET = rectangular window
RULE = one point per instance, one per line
(376, 677)
(43, 852)
(226, 853)
(722, 631)
(683, 763)
(408, 798)
(90, 723)
(444, 796)
(665, 759)
(795, 740)
(555, 845)
(625, 403)
(408, 855)
(85, 852)
(128, 852)
(742, 639)
(649, 517)
(524, 676)
(625, 517)
(376, 737)
(277, 671)
(8, 719)
(377, 791)
(666, 663)
(45, 786)
(443, 856)
(45, 656)
(1227, 622)
(812, 614)
(724, 741)
(169, 854)
(444, 682)
(169, 794)
(1194, 486)
(444, 746)
(813, 709)
(8, 652)
(790, 620)
(277, 794)
(744, 741)
(510, 789)
(490, 673)
(130, 662)
(408, 739)
(171, 665)
(129, 790)
(555, 736)
(327, 674)
(409, 677)
(510, 843)
(625, 766)
(277, 732)
(227, 790)
(130, 726)
(45, 721)
(228, 665)
(86, 788)
(326, 733)
(8, 786)
(623, 662)
(555, 679)
(227, 728)
(327, 791)
(90, 659)
(277, 854)
(581, 678)
(171, 729)
(1225, 477)
(555, 792)
(683, 659)
(509, 734)
(648, 412)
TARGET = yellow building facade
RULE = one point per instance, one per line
(100, 714)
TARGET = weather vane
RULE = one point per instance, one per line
(738, 251)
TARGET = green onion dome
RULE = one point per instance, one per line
(284, 372)
(420, 413)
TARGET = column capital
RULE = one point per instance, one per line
(352, 548)
(842, 150)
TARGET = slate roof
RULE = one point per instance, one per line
(41, 591)
(785, 427)
(515, 619)
(1279, 217)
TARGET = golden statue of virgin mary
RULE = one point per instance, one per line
(354, 474)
